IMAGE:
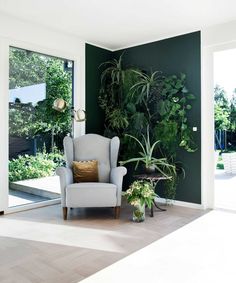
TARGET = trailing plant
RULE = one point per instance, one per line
(114, 95)
(171, 183)
(172, 127)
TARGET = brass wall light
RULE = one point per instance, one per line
(79, 115)
(60, 105)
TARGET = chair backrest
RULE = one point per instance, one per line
(93, 146)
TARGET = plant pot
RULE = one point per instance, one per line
(150, 169)
(229, 160)
(139, 213)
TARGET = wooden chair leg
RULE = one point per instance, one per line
(64, 209)
(117, 212)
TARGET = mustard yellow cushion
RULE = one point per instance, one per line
(85, 171)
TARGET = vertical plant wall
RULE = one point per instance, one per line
(140, 104)
(177, 61)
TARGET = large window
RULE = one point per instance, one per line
(36, 129)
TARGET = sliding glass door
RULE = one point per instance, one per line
(36, 128)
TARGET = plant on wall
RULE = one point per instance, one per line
(134, 99)
(172, 107)
(116, 83)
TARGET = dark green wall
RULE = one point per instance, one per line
(171, 56)
(94, 115)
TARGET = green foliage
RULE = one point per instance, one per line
(222, 109)
(117, 119)
(134, 100)
(173, 106)
(115, 96)
(167, 132)
(220, 97)
(146, 157)
(232, 116)
(26, 120)
(58, 85)
(143, 90)
(171, 183)
(170, 189)
(30, 167)
(26, 68)
(220, 163)
(140, 192)
(221, 118)
(22, 120)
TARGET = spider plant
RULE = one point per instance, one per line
(146, 157)
(144, 88)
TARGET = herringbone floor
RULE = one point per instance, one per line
(38, 246)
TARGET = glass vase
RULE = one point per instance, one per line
(139, 213)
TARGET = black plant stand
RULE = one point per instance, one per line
(154, 179)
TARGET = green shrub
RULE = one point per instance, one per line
(31, 167)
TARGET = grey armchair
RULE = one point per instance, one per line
(105, 193)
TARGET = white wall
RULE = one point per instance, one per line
(16, 33)
(215, 38)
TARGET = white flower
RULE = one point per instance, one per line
(135, 202)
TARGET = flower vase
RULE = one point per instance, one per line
(139, 213)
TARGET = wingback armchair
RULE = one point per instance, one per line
(106, 192)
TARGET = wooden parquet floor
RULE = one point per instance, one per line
(38, 246)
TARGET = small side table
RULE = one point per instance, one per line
(154, 179)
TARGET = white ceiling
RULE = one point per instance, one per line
(117, 24)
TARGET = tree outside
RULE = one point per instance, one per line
(37, 124)
(225, 119)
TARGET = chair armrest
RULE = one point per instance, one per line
(116, 178)
(66, 178)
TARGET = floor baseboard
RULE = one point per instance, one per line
(181, 203)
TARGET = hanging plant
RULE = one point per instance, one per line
(172, 126)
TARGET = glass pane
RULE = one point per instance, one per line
(36, 129)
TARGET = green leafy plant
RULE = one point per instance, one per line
(223, 114)
(115, 96)
(30, 167)
(140, 192)
(58, 85)
(146, 156)
(232, 116)
(145, 88)
(22, 122)
(27, 120)
(26, 68)
(173, 106)
(171, 183)
(133, 99)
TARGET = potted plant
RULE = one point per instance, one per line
(151, 163)
(140, 194)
